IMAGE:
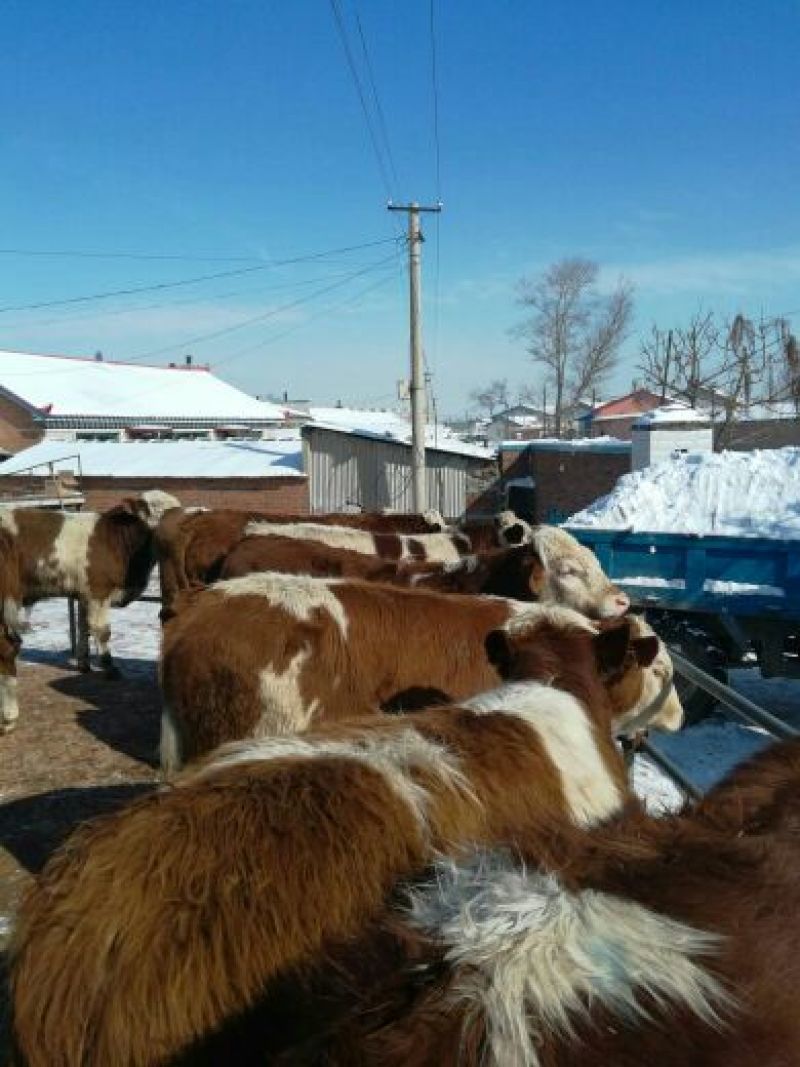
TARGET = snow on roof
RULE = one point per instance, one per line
(670, 413)
(577, 444)
(742, 494)
(166, 459)
(391, 424)
(63, 385)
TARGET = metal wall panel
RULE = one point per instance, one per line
(348, 470)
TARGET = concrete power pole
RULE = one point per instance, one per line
(419, 493)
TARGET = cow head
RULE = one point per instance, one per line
(151, 505)
(511, 530)
(619, 669)
(570, 575)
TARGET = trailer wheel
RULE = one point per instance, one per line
(695, 642)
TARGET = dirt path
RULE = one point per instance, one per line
(83, 746)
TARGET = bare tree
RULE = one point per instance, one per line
(492, 397)
(727, 367)
(573, 331)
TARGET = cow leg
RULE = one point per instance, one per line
(101, 632)
(9, 709)
(82, 627)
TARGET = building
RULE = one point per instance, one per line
(75, 399)
(615, 418)
(262, 475)
(549, 480)
(357, 469)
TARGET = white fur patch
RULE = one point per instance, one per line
(169, 749)
(565, 732)
(395, 756)
(8, 520)
(65, 571)
(12, 615)
(535, 958)
(527, 617)
(282, 707)
(297, 594)
(353, 540)
(9, 708)
(157, 503)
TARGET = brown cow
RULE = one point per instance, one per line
(276, 653)
(192, 544)
(517, 573)
(646, 941)
(446, 547)
(102, 559)
(505, 529)
(155, 925)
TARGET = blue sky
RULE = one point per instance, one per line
(661, 139)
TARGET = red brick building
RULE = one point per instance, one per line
(547, 481)
(615, 418)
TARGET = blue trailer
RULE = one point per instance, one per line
(723, 601)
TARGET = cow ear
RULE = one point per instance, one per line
(645, 649)
(611, 646)
(513, 535)
(536, 575)
(498, 651)
(132, 506)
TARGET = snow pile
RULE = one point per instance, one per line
(670, 414)
(742, 494)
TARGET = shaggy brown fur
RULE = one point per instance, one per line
(400, 1004)
(192, 545)
(154, 926)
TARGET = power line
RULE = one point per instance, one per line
(376, 98)
(435, 85)
(362, 99)
(147, 256)
(300, 325)
(191, 281)
(94, 315)
(262, 317)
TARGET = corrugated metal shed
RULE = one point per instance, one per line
(354, 469)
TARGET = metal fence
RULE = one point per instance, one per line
(734, 703)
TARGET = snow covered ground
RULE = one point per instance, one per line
(743, 494)
(705, 752)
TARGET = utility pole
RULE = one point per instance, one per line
(419, 494)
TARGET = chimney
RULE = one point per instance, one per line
(98, 356)
(188, 361)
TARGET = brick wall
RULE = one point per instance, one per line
(758, 433)
(17, 427)
(565, 481)
(263, 494)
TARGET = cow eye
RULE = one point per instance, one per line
(571, 569)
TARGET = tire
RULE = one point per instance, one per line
(692, 640)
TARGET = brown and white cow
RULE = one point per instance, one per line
(657, 941)
(275, 653)
(517, 573)
(102, 559)
(290, 556)
(192, 545)
(446, 547)
(155, 926)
